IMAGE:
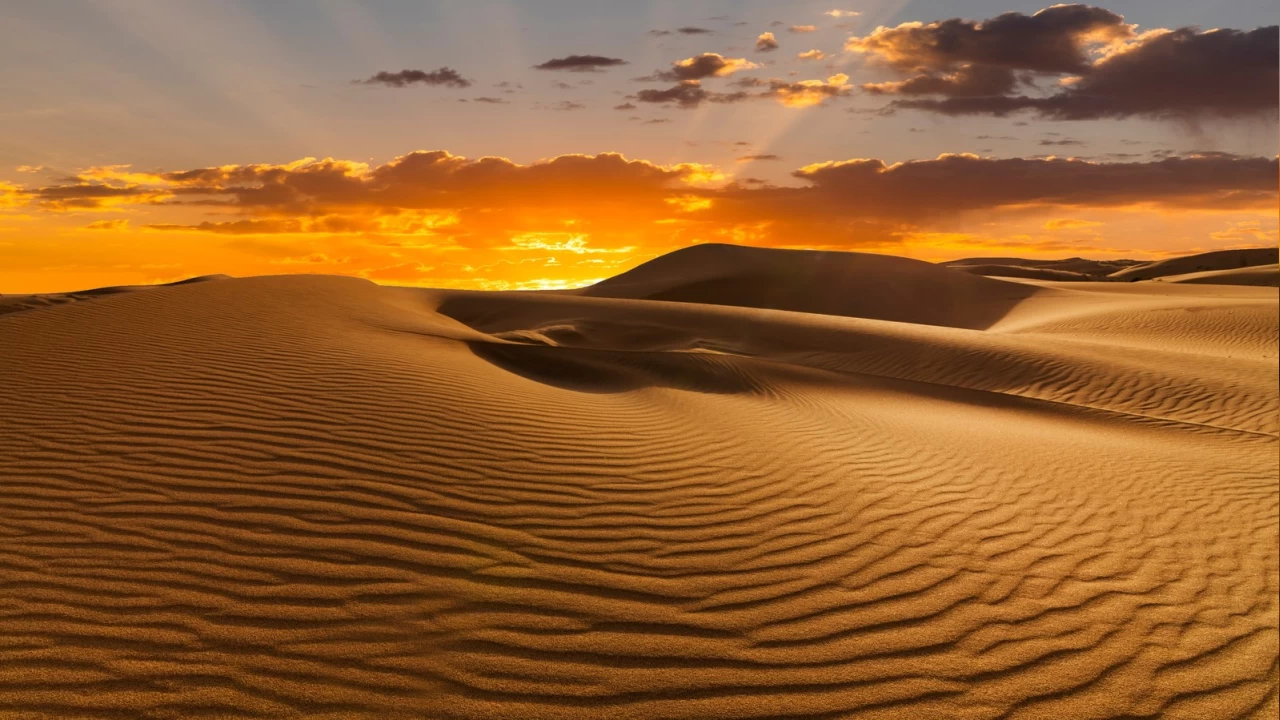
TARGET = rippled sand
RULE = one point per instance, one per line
(945, 496)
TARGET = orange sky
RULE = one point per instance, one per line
(430, 218)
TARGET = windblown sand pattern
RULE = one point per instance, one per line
(314, 496)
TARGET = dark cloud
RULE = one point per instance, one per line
(978, 68)
(566, 105)
(702, 66)
(580, 63)
(1053, 40)
(803, 93)
(957, 183)
(689, 30)
(625, 106)
(404, 78)
(1068, 142)
(688, 94)
(491, 100)
(490, 199)
(967, 81)
(753, 158)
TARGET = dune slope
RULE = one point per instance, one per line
(850, 284)
(314, 496)
(1217, 260)
(1258, 275)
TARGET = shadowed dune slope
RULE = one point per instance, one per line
(1258, 275)
(1090, 269)
(1022, 271)
(850, 284)
(312, 496)
(1219, 260)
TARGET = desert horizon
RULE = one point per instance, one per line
(711, 360)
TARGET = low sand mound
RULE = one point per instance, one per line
(1219, 260)
(18, 303)
(1095, 269)
(1022, 271)
(850, 284)
(1258, 275)
(314, 496)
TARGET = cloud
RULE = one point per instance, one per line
(491, 100)
(625, 106)
(803, 93)
(704, 66)
(842, 13)
(803, 28)
(1100, 66)
(966, 81)
(580, 63)
(766, 42)
(687, 94)
(567, 105)
(1053, 40)
(404, 78)
(1067, 142)
(30, 168)
(425, 207)
(753, 158)
(108, 225)
(811, 55)
(683, 31)
(958, 183)
(1069, 224)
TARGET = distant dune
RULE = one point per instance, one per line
(1260, 275)
(1082, 270)
(1024, 271)
(1069, 269)
(1220, 260)
(731, 483)
(880, 287)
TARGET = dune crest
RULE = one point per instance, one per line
(315, 496)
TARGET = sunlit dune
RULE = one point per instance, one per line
(732, 482)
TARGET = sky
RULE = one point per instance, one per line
(535, 145)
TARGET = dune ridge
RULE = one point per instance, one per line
(314, 496)
(1220, 267)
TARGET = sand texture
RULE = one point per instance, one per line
(732, 483)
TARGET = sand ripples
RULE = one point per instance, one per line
(314, 496)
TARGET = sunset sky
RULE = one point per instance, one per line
(503, 145)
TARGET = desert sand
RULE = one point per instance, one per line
(731, 483)
(1247, 266)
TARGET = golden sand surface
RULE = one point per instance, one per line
(733, 483)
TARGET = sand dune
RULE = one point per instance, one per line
(1022, 271)
(1219, 260)
(850, 284)
(857, 486)
(1259, 275)
(1081, 269)
(15, 303)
